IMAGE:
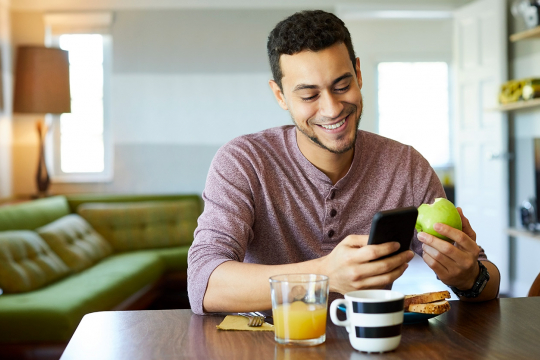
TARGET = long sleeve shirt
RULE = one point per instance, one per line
(265, 203)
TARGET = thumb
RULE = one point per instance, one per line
(356, 240)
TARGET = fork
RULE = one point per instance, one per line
(253, 320)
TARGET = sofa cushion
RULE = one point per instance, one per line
(75, 242)
(33, 214)
(135, 226)
(27, 263)
(75, 200)
(52, 313)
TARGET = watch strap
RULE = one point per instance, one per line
(479, 284)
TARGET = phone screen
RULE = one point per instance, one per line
(394, 225)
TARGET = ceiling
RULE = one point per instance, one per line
(355, 5)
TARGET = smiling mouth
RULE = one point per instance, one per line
(334, 126)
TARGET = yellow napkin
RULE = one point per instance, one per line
(236, 322)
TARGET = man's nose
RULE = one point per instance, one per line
(329, 106)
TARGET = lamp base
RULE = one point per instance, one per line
(43, 180)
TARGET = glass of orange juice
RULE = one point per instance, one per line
(299, 304)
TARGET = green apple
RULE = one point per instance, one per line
(441, 211)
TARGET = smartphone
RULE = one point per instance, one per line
(394, 225)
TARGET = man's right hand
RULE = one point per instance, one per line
(239, 287)
(350, 267)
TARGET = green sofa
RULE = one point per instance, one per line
(65, 256)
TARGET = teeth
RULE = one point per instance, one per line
(335, 126)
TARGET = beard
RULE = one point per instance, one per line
(349, 109)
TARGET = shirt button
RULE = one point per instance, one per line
(331, 233)
(333, 212)
(333, 195)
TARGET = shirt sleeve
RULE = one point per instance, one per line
(426, 188)
(225, 226)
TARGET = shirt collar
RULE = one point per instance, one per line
(317, 175)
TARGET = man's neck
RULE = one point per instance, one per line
(335, 166)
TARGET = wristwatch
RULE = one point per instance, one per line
(479, 284)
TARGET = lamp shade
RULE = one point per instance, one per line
(41, 81)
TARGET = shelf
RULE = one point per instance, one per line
(518, 105)
(522, 233)
(527, 34)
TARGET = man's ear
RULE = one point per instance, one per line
(358, 73)
(278, 94)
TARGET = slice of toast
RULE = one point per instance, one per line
(437, 307)
(425, 298)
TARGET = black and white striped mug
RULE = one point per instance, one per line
(374, 319)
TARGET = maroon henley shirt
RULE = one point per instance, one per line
(265, 203)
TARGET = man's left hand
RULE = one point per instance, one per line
(455, 265)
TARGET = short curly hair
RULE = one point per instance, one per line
(313, 30)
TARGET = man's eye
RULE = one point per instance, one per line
(309, 98)
(344, 88)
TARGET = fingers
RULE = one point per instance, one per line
(361, 252)
(440, 245)
(467, 229)
(454, 272)
(460, 237)
(354, 265)
(439, 262)
(373, 252)
(448, 255)
(384, 266)
(434, 264)
(382, 280)
(354, 249)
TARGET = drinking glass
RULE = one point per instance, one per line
(299, 305)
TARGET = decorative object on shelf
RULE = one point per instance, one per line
(42, 87)
(528, 11)
(527, 214)
(510, 92)
(518, 90)
(531, 89)
(536, 200)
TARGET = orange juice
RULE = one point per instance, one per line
(299, 321)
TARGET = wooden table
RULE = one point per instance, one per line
(498, 329)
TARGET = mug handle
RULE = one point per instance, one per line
(333, 315)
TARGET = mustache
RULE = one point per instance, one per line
(347, 110)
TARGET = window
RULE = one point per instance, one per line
(81, 131)
(81, 146)
(413, 107)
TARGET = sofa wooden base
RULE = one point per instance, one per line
(32, 351)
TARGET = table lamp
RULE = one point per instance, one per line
(42, 87)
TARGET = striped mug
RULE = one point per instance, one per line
(374, 319)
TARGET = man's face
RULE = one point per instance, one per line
(322, 93)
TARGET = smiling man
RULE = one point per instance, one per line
(300, 199)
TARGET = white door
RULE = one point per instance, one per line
(481, 136)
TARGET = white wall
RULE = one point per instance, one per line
(194, 109)
(524, 62)
(5, 112)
